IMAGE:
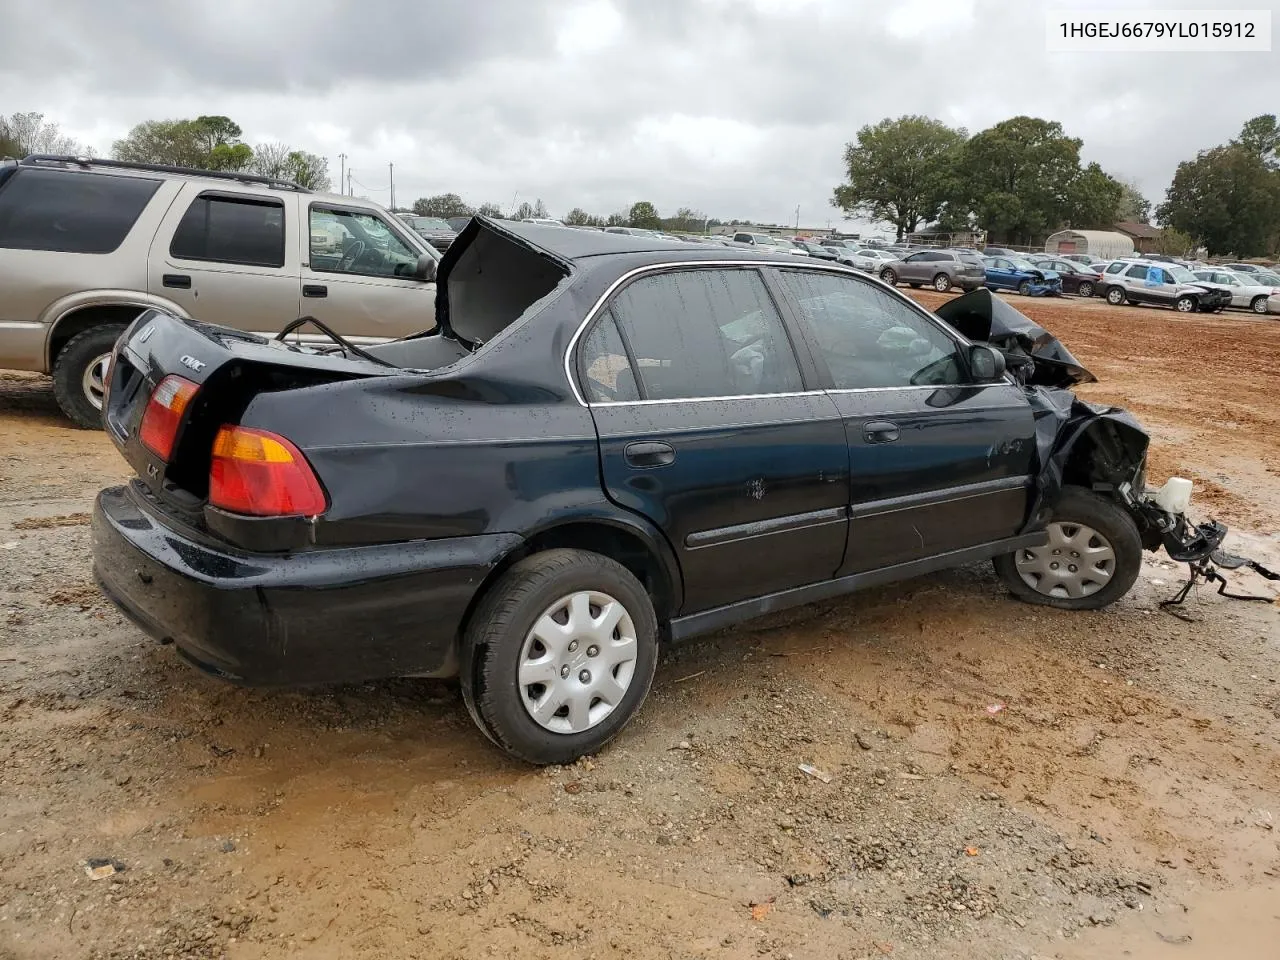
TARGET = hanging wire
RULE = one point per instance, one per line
(370, 189)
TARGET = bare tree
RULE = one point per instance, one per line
(272, 160)
(31, 134)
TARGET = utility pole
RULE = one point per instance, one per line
(797, 218)
(349, 193)
(392, 167)
(342, 170)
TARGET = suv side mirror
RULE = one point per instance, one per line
(426, 268)
(986, 363)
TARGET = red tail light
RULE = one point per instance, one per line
(163, 415)
(262, 474)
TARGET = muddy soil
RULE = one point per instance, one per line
(1004, 781)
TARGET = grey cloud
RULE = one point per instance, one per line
(736, 107)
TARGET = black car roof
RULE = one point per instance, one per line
(572, 243)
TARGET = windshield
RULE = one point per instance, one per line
(429, 223)
(1181, 274)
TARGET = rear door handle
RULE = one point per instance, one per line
(649, 453)
(179, 280)
(314, 290)
(880, 431)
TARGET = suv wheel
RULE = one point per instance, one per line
(942, 283)
(1115, 296)
(79, 373)
(559, 655)
(1186, 304)
(1085, 289)
(889, 277)
(1091, 560)
(1258, 304)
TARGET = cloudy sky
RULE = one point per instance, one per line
(739, 108)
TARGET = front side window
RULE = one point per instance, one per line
(70, 212)
(705, 333)
(871, 339)
(354, 241)
(237, 230)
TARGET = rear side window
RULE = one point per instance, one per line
(231, 230)
(705, 333)
(606, 370)
(70, 212)
(1138, 271)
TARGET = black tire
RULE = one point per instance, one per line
(1258, 305)
(1024, 288)
(1186, 304)
(1115, 296)
(70, 367)
(1085, 289)
(495, 637)
(942, 283)
(1078, 505)
(889, 277)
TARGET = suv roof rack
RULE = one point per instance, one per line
(38, 158)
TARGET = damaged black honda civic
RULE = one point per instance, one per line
(608, 443)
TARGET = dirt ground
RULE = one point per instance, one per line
(1005, 781)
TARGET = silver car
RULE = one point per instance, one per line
(1247, 290)
(868, 259)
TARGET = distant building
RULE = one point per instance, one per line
(1146, 238)
(1104, 244)
(773, 230)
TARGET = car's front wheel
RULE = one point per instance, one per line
(942, 283)
(559, 655)
(1186, 305)
(1091, 559)
(1085, 289)
(1115, 296)
(889, 277)
(79, 374)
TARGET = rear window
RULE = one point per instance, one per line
(231, 230)
(70, 212)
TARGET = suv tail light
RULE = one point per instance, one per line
(163, 416)
(262, 474)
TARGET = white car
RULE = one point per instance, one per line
(1245, 289)
(868, 259)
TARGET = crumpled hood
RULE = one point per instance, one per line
(985, 318)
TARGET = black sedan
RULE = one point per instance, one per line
(608, 444)
(1076, 277)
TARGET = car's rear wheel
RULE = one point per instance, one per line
(559, 655)
(1186, 305)
(889, 277)
(79, 374)
(1115, 296)
(942, 283)
(1085, 289)
(1024, 287)
(1091, 560)
(1258, 304)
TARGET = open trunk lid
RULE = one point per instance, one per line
(228, 368)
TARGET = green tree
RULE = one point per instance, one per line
(686, 220)
(443, 205)
(522, 212)
(309, 170)
(619, 219)
(207, 143)
(1175, 243)
(577, 217)
(644, 215)
(1261, 137)
(1019, 176)
(489, 210)
(1093, 198)
(8, 142)
(1227, 199)
(900, 171)
(1134, 207)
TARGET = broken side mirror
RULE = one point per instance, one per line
(986, 363)
(426, 268)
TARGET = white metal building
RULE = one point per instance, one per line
(1104, 244)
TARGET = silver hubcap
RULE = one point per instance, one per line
(1114, 297)
(1077, 562)
(1086, 289)
(942, 284)
(577, 662)
(1186, 306)
(94, 381)
(1260, 305)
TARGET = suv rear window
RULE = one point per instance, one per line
(70, 212)
(226, 229)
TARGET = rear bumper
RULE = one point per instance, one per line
(324, 616)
